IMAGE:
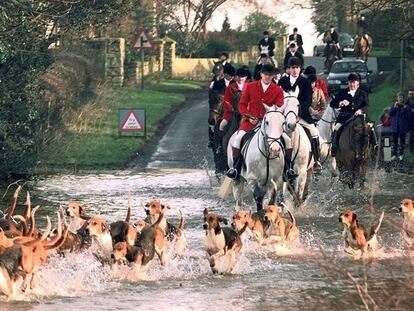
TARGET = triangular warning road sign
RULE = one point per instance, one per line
(131, 123)
(141, 41)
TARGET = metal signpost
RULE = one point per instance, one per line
(142, 42)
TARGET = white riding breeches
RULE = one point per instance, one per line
(239, 136)
(237, 140)
(310, 126)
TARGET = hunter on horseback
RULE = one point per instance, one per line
(232, 96)
(332, 40)
(352, 101)
(216, 91)
(289, 83)
(251, 107)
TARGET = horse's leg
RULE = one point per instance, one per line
(258, 195)
(238, 188)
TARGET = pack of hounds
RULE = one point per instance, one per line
(24, 249)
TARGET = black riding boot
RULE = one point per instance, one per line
(290, 173)
(234, 172)
(335, 143)
(210, 138)
(316, 155)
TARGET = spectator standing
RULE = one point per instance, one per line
(400, 125)
(410, 103)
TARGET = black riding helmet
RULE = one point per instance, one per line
(354, 77)
(229, 70)
(268, 68)
(242, 72)
(310, 70)
(294, 62)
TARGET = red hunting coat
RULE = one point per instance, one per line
(231, 90)
(251, 102)
(321, 84)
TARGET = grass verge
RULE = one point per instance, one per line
(91, 141)
(382, 96)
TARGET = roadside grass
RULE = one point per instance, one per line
(380, 52)
(92, 141)
(382, 96)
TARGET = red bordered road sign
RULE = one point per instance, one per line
(132, 120)
(141, 41)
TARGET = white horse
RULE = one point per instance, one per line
(302, 151)
(263, 157)
(325, 127)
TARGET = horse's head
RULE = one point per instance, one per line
(272, 129)
(291, 110)
(360, 136)
(218, 69)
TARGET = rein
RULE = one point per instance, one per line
(268, 141)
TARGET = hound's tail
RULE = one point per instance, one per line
(292, 218)
(379, 223)
(181, 225)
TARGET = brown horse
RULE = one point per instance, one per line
(363, 46)
(222, 138)
(331, 57)
(218, 71)
(354, 151)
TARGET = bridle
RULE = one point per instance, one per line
(291, 111)
(268, 141)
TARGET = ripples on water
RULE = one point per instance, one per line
(313, 275)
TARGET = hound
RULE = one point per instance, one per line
(172, 233)
(359, 240)
(280, 231)
(221, 242)
(407, 208)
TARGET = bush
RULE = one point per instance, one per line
(214, 47)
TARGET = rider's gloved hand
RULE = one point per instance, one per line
(344, 103)
(223, 124)
(358, 112)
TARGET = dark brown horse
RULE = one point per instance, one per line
(222, 137)
(363, 46)
(354, 151)
(332, 56)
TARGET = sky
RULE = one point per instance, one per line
(293, 16)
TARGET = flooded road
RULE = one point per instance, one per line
(315, 275)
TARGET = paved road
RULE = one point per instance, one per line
(318, 62)
(183, 143)
(184, 140)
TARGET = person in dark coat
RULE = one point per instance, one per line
(400, 125)
(289, 83)
(352, 101)
(293, 53)
(331, 37)
(297, 38)
(216, 91)
(410, 103)
(267, 46)
(263, 60)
